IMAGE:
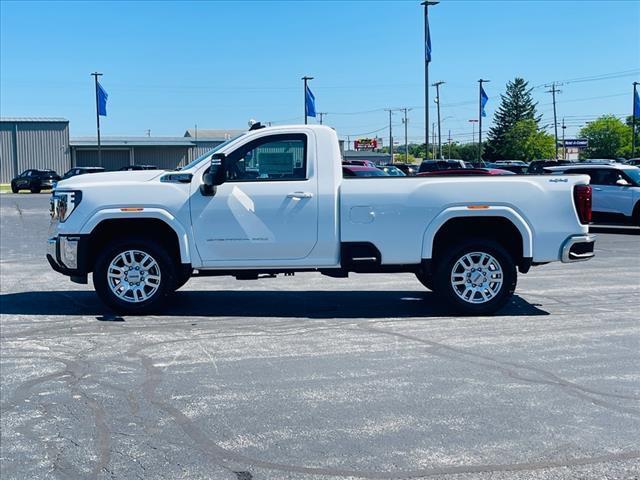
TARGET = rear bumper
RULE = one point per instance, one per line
(578, 248)
(67, 254)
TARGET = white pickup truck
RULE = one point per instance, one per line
(274, 201)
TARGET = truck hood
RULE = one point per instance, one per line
(110, 178)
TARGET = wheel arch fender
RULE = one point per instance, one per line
(143, 213)
(457, 212)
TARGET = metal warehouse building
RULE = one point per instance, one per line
(25, 143)
(44, 143)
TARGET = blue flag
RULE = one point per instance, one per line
(483, 101)
(309, 103)
(636, 105)
(427, 50)
(102, 101)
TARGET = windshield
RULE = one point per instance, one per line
(634, 174)
(193, 163)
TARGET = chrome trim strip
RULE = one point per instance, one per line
(568, 257)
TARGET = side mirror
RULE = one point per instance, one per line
(216, 175)
(622, 182)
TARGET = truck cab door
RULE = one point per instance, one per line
(266, 210)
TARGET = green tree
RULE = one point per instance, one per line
(525, 142)
(516, 104)
(608, 137)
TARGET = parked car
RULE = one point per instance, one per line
(616, 189)
(362, 163)
(519, 163)
(537, 167)
(138, 167)
(467, 171)
(362, 171)
(81, 171)
(408, 168)
(392, 171)
(34, 180)
(466, 238)
(433, 165)
(633, 161)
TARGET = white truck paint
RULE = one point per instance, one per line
(279, 203)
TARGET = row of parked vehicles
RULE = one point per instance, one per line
(36, 180)
(616, 186)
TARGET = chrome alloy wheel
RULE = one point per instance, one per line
(477, 277)
(133, 276)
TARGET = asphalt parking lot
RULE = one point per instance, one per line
(310, 377)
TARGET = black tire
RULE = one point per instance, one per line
(14, 189)
(35, 189)
(443, 284)
(635, 219)
(149, 246)
(426, 280)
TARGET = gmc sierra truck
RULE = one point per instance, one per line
(274, 201)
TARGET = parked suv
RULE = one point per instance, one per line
(34, 180)
(81, 171)
(435, 165)
(616, 189)
(537, 167)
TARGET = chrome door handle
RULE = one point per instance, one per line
(300, 195)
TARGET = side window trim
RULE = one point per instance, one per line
(247, 147)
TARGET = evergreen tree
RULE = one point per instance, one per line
(516, 104)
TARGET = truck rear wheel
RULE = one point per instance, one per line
(134, 275)
(476, 277)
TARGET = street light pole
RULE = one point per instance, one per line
(633, 122)
(427, 60)
(473, 122)
(480, 82)
(305, 78)
(437, 85)
(95, 76)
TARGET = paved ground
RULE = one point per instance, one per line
(308, 377)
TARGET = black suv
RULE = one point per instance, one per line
(437, 165)
(537, 167)
(34, 180)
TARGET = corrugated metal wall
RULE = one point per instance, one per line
(33, 144)
(111, 159)
(166, 158)
(202, 147)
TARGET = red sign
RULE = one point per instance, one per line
(365, 144)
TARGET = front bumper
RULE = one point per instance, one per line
(578, 248)
(67, 254)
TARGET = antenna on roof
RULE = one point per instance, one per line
(253, 125)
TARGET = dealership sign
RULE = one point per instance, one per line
(575, 143)
(365, 144)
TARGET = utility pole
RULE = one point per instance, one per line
(564, 145)
(433, 141)
(322, 114)
(306, 79)
(553, 92)
(633, 122)
(437, 85)
(390, 110)
(449, 145)
(95, 76)
(473, 122)
(480, 82)
(427, 60)
(405, 120)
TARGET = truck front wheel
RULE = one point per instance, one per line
(134, 275)
(476, 277)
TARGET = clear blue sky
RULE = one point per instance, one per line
(170, 65)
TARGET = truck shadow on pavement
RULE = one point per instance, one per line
(260, 303)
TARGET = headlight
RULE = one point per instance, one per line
(63, 203)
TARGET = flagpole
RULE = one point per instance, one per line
(633, 121)
(305, 78)
(480, 82)
(427, 60)
(95, 76)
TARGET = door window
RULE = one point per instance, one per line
(277, 157)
